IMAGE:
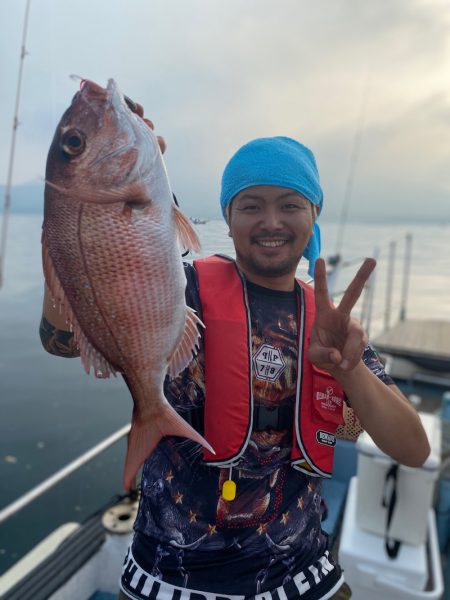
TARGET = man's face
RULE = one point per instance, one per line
(270, 227)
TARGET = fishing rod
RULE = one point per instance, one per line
(335, 260)
(351, 174)
(7, 202)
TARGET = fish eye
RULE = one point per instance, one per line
(73, 142)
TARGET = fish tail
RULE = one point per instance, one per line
(144, 437)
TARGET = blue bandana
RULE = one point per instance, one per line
(278, 161)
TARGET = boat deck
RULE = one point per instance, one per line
(427, 342)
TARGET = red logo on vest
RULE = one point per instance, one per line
(328, 401)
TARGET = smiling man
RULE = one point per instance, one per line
(270, 227)
(273, 184)
(267, 389)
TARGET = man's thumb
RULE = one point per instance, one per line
(320, 355)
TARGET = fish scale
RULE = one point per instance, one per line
(129, 278)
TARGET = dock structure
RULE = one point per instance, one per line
(425, 342)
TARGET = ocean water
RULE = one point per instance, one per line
(51, 411)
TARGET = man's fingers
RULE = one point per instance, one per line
(321, 295)
(354, 290)
(134, 106)
(323, 356)
(139, 109)
(162, 143)
(353, 348)
(149, 123)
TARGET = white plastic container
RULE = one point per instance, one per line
(372, 575)
(414, 488)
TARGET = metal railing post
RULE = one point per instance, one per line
(389, 284)
(332, 275)
(406, 273)
(367, 309)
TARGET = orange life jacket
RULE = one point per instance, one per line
(228, 375)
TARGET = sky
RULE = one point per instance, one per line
(214, 74)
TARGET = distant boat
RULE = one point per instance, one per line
(198, 221)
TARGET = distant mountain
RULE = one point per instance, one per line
(25, 199)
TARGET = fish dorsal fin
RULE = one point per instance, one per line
(90, 356)
(188, 345)
(186, 233)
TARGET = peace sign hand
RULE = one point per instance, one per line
(337, 341)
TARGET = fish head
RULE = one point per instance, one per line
(102, 151)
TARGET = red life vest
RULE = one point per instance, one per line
(228, 375)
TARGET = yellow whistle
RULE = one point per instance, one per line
(229, 490)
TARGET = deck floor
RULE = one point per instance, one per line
(417, 338)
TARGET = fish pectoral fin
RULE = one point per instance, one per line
(188, 345)
(186, 233)
(90, 356)
(144, 437)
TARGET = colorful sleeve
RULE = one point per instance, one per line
(373, 361)
(192, 289)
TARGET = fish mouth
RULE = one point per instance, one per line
(115, 97)
(117, 101)
(112, 86)
(111, 93)
(88, 86)
(120, 104)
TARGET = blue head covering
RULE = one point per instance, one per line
(278, 161)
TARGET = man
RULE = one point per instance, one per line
(266, 389)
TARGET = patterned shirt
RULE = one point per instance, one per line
(269, 538)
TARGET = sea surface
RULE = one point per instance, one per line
(51, 411)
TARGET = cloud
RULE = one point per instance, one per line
(402, 168)
(213, 75)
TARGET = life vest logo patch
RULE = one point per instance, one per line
(326, 438)
(328, 400)
(269, 363)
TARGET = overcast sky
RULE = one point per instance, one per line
(213, 74)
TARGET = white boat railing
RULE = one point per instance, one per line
(51, 481)
(386, 305)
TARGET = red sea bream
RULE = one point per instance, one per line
(112, 239)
